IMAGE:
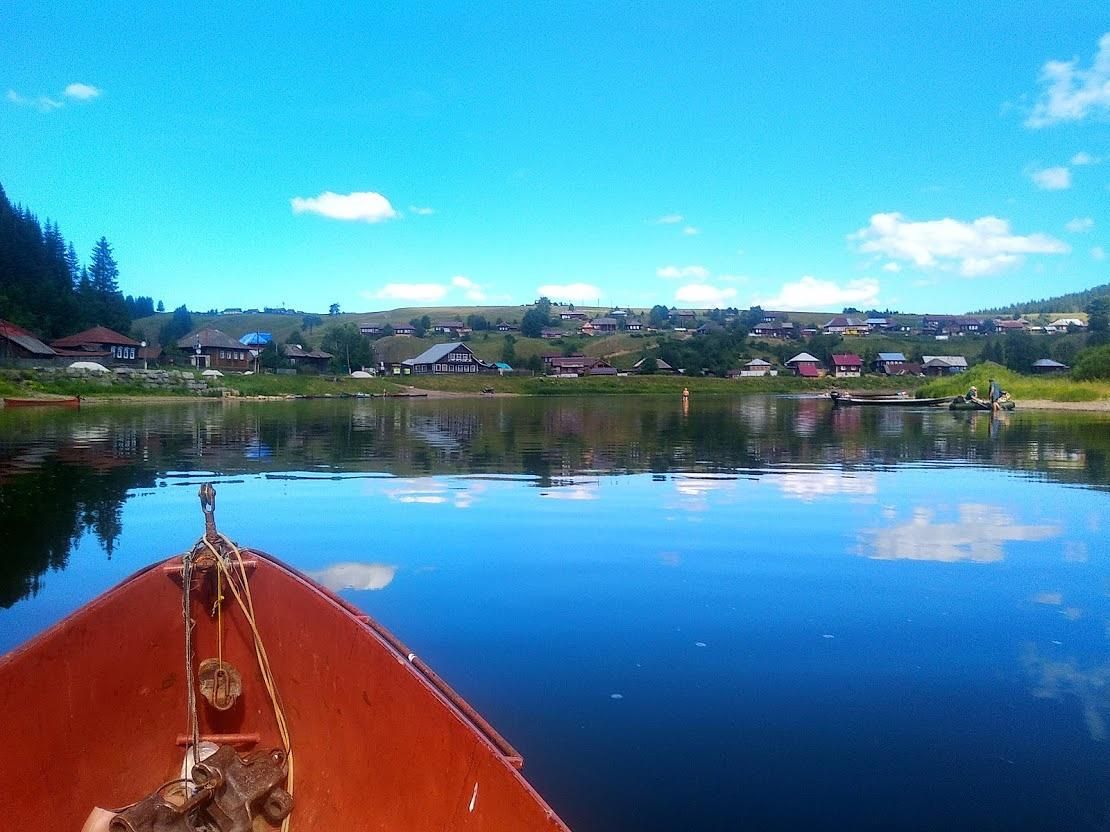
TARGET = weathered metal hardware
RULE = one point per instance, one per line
(220, 683)
(230, 791)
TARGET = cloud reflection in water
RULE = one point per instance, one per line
(350, 575)
(978, 535)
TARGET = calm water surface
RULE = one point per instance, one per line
(758, 613)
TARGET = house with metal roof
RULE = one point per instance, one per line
(940, 365)
(805, 365)
(99, 343)
(17, 344)
(455, 357)
(211, 349)
(847, 365)
(1047, 365)
(755, 368)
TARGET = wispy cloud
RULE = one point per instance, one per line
(703, 294)
(362, 206)
(980, 247)
(1080, 225)
(474, 292)
(811, 293)
(1098, 253)
(1052, 179)
(340, 576)
(691, 231)
(669, 219)
(422, 212)
(892, 267)
(1084, 158)
(1071, 93)
(413, 292)
(680, 272)
(81, 92)
(571, 292)
(47, 103)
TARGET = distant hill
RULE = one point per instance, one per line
(1071, 302)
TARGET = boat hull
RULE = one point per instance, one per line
(14, 401)
(979, 406)
(848, 401)
(98, 703)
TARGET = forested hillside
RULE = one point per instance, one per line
(1071, 302)
(45, 287)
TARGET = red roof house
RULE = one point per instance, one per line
(847, 365)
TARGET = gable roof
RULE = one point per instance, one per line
(96, 335)
(808, 371)
(841, 320)
(21, 337)
(944, 361)
(208, 338)
(660, 364)
(804, 357)
(847, 359)
(256, 339)
(891, 356)
(1048, 362)
(436, 352)
(757, 362)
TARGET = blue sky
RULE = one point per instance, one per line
(932, 158)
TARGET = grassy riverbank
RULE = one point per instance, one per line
(1053, 388)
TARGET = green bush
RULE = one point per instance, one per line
(1092, 364)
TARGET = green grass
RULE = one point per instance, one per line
(305, 385)
(1048, 388)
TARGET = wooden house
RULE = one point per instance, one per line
(17, 344)
(210, 349)
(847, 365)
(99, 344)
(440, 359)
(805, 365)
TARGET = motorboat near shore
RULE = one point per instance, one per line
(43, 401)
(885, 400)
(182, 698)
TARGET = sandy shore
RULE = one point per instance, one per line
(1099, 406)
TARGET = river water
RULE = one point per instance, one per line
(753, 612)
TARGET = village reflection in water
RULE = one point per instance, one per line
(798, 568)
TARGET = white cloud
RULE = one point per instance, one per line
(677, 272)
(572, 292)
(702, 294)
(1084, 158)
(417, 292)
(892, 267)
(1098, 253)
(669, 219)
(474, 292)
(366, 206)
(1052, 179)
(691, 231)
(983, 246)
(81, 92)
(1080, 225)
(1070, 93)
(422, 212)
(812, 293)
(15, 98)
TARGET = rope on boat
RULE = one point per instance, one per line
(186, 583)
(240, 590)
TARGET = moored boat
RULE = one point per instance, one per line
(845, 400)
(274, 668)
(965, 403)
(28, 401)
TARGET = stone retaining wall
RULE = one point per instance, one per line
(171, 381)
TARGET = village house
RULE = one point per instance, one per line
(1066, 325)
(755, 368)
(578, 365)
(452, 358)
(842, 325)
(942, 365)
(1007, 325)
(809, 331)
(661, 367)
(548, 333)
(573, 316)
(633, 325)
(951, 325)
(300, 357)
(805, 365)
(210, 349)
(1044, 366)
(100, 344)
(506, 327)
(774, 330)
(452, 328)
(404, 329)
(366, 328)
(847, 365)
(889, 363)
(606, 324)
(683, 317)
(19, 345)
